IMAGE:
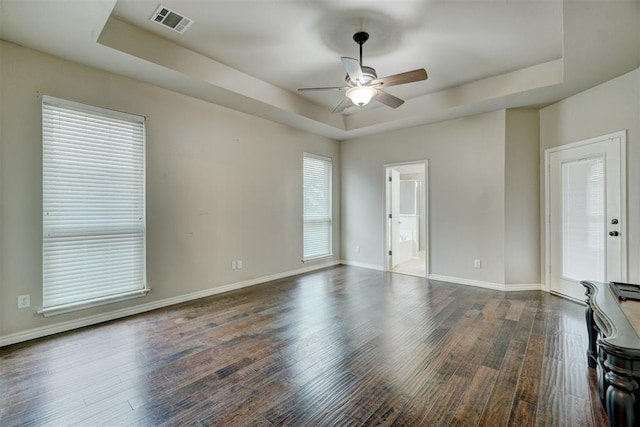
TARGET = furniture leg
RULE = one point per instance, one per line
(620, 399)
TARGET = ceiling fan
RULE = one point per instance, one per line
(363, 83)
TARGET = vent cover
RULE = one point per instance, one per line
(171, 19)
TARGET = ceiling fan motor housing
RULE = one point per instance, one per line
(368, 73)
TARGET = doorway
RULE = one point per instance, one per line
(586, 224)
(406, 249)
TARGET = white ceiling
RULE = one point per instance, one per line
(252, 55)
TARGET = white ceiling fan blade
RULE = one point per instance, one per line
(346, 102)
(388, 99)
(304, 89)
(353, 69)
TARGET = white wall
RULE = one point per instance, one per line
(466, 194)
(609, 107)
(221, 186)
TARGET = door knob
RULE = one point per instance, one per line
(613, 233)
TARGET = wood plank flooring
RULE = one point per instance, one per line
(340, 346)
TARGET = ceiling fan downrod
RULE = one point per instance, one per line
(360, 38)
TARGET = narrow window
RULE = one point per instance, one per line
(317, 206)
(93, 203)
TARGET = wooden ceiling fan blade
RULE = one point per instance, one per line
(388, 99)
(401, 78)
(304, 89)
(353, 69)
(346, 102)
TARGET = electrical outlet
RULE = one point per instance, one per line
(24, 301)
(358, 249)
(234, 265)
(239, 264)
(477, 263)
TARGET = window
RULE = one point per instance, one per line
(317, 206)
(93, 206)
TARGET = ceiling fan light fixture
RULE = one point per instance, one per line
(361, 95)
(363, 83)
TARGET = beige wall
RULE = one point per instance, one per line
(466, 194)
(522, 200)
(609, 107)
(221, 185)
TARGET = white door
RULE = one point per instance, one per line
(395, 217)
(586, 230)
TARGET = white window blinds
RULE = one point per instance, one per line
(583, 219)
(317, 206)
(93, 201)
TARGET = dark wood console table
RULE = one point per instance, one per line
(614, 351)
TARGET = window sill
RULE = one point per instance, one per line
(68, 308)
(318, 258)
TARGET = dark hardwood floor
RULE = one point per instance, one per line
(340, 346)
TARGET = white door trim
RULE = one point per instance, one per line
(622, 135)
(425, 206)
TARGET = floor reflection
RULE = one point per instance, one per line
(334, 347)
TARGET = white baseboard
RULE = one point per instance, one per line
(523, 287)
(567, 297)
(487, 285)
(469, 282)
(457, 280)
(117, 314)
(362, 265)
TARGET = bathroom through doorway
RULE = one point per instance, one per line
(406, 218)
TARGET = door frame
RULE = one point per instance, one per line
(424, 208)
(622, 136)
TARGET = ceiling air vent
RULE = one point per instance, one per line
(171, 19)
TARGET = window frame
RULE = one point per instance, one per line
(329, 208)
(137, 207)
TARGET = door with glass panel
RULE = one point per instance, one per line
(586, 214)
